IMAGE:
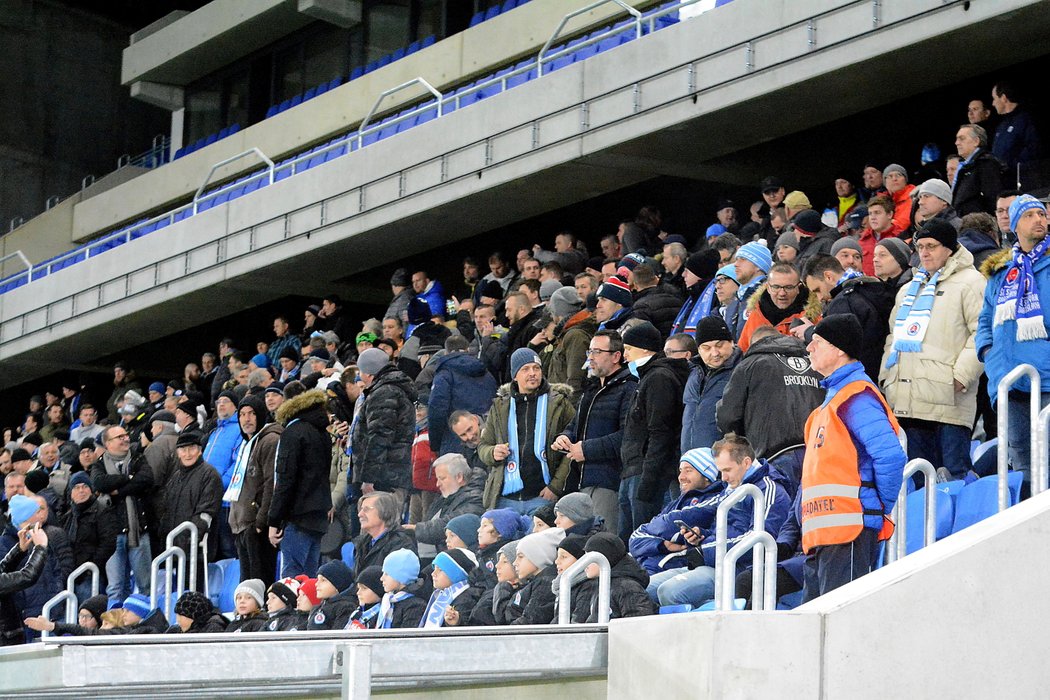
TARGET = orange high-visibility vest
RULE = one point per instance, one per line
(831, 509)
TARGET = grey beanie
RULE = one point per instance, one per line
(847, 242)
(577, 507)
(938, 188)
(541, 548)
(510, 550)
(565, 302)
(898, 249)
(787, 238)
(894, 168)
(372, 361)
(548, 288)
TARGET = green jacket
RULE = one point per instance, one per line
(560, 411)
(570, 353)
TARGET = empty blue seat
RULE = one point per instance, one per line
(413, 47)
(333, 153)
(215, 582)
(397, 55)
(231, 578)
(916, 505)
(295, 100)
(980, 499)
(675, 609)
(212, 138)
(523, 77)
(347, 553)
(310, 94)
(335, 82)
(491, 12)
(357, 72)
(371, 66)
(270, 112)
(429, 41)
(183, 213)
(477, 18)
(383, 61)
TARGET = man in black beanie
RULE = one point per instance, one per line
(699, 275)
(710, 370)
(653, 429)
(853, 467)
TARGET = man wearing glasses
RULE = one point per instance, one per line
(778, 303)
(592, 439)
(126, 480)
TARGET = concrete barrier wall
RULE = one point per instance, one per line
(964, 618)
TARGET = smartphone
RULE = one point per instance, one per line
(682, 525)
(450, 307)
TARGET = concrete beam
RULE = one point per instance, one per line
(169, 97)
(341, 13)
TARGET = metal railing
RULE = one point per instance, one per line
(363, 128)
(763, 572)
(69, 596)
(169, 542)
(180, 578)
(542, 55)
(722, 526)
(1041, 461)
(898, 544)
(1003, 407)
(251, 151)
(577, 572)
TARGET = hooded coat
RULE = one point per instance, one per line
(763, 312)
(300, 492)
(921, 384)
(703, 391)
(652, 432)
(570, 352)
(659, 305)
(253, 506)
(461, 382)
(627, 596)
(386, 429)
(871, 301)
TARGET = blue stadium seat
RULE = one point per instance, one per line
(357, 72)
(269, 113)
(335, 82)
(335, 152)
(675, 609)
(310, 94)
(477, 19)
(507, 6)
(916, 505)
(215, 582)
(371, 66)
(429, 41)
(211, 138)
(982, 448)
(413, 47)
(491, 12)
(397, 55)
(384, 61)
(297, 100)
(231, 577)
(183, 213)
(347, 552)
(980, 499)
(738, 604)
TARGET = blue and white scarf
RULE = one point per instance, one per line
(1018, 298)
(440, 599)
(512, 482)
(362, 617)
(386, 608)
(691, 314)
(848, 274)
(913, 317)
(240, 466)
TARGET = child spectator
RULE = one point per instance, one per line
(574, 514)
(248, 603)
(453, 598)
(195, 614)
(493, 608)
(535, 566)
(369, 594)
(400, 606)
(306, 600)
(280, 604)
(498, 527)
(543, 518)
(335, 589)
(462, 532)
(111, 619)
(424, 483)
(627, 596)
(569, 551)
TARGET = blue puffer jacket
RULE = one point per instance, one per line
(434, 296)
(647, 542)
(221, 450)
(703, 391)
(997, 346)
(461, 382)
(879, 454)
(599, 424)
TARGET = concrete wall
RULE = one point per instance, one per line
(65, 113)
(962, 618)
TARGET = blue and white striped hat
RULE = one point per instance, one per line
(702, 460)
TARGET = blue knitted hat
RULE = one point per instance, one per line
(702, 460)
(402, 565)
(756, 253)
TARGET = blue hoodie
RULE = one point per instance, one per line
(221, 450)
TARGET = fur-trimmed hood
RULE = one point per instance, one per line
(315, 398)
(996, 262)
(809, 310)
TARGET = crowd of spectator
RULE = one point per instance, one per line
(482, 436)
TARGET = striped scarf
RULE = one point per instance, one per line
(1018, 298)
(913, 317)
(386, 608)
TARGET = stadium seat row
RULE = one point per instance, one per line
(207, 141)
(504, 79)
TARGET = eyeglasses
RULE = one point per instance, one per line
(122, 436)
(591, 352)
(365, 509)
(927, 247)
(782, 287)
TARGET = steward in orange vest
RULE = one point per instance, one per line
(854, 463)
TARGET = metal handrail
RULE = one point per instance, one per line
(1003, 401)
(25, 261)
(251, 151)
(721, 525)
(1042, 461)
(763, 569)
(169, 542)
(180, 578)
(541, 56)
(88, 566)
(578, 571)
(361, 130)
(898, 545)
(70, 600)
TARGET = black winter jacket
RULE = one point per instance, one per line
(978, 184)
(249, 623)
(871, 301)
(368, 554)
(333, 613)
(659, 306)
(92, 530)
(284, 620)
(653, 430)
(808, 246)
(194, 494)
(135, 482)
(599, 423)
(385, 431)
(301, 492)
(770, 395)
(494, 606)
(17, 573)
(627, 596)
(534, 602)
(154, 623)
(431, 529)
